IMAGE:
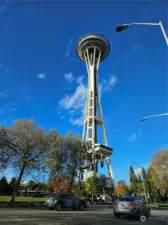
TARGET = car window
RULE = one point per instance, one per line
(64, 196)
(127, 199)
(72, 197)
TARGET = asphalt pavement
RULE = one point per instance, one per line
(46, 217)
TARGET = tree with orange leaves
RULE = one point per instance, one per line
(121, 189)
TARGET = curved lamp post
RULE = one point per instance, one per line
(125, 26)
(145, 118)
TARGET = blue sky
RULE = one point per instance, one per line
(41, 77)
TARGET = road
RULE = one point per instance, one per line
(46, 217)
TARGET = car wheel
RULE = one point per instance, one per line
(117, 216)
(82, 207)
(142, 217)
(58, 206)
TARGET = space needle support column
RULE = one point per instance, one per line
(108, 160)
(93, 49)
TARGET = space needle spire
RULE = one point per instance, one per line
(93, 49)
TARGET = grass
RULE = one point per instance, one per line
(159, 204)
(22, 199)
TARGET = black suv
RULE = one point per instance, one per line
(66, 201)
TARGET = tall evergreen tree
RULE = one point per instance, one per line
(133, 181)
(140, 185)
(145, 180)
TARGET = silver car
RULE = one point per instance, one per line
(131, 206)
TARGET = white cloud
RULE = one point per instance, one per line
(58, 113)
(28, 97)
(108, 84)
(112, 81)
(6, 70)
(4, 93)
(79, 79)
(132, 138)
(41, 76)
(140, 132)
(78, 121)
(69, 47)
(76, 100)
(2, 67)
(69, 77)
(74, 104)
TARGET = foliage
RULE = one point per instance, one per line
(140, 188)
(145, 180)
(159, 174)
(133, 181)
(93, 186)
(153, 193)
(22, 146)
(121, 189)
(64, 157)
(79, 189)
(59, 183)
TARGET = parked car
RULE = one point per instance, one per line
(104, 198)
(65, 201)
(132, 206)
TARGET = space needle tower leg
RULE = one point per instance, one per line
(92, 49)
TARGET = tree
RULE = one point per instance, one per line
(13, 181)
(121, 189)
(64, 156)
(145, 180)
(133, 180)
(23, 146)
(140, 188)
(93, 186)
(153, 193)
(79, 189)
(59, 183)
(159, 164)
(4, 186)
(12, 184)
(76, 149)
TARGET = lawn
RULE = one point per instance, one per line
(159, 205)
(22, 199)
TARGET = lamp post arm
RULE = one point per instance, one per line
(164, 32)
(165, 114)
(147, 24)
(154, 24)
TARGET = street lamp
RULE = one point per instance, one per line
(145, 118)
(125, 26)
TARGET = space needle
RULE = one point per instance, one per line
(93, 49)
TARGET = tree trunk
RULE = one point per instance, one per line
(12, 200)
(72, 179)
